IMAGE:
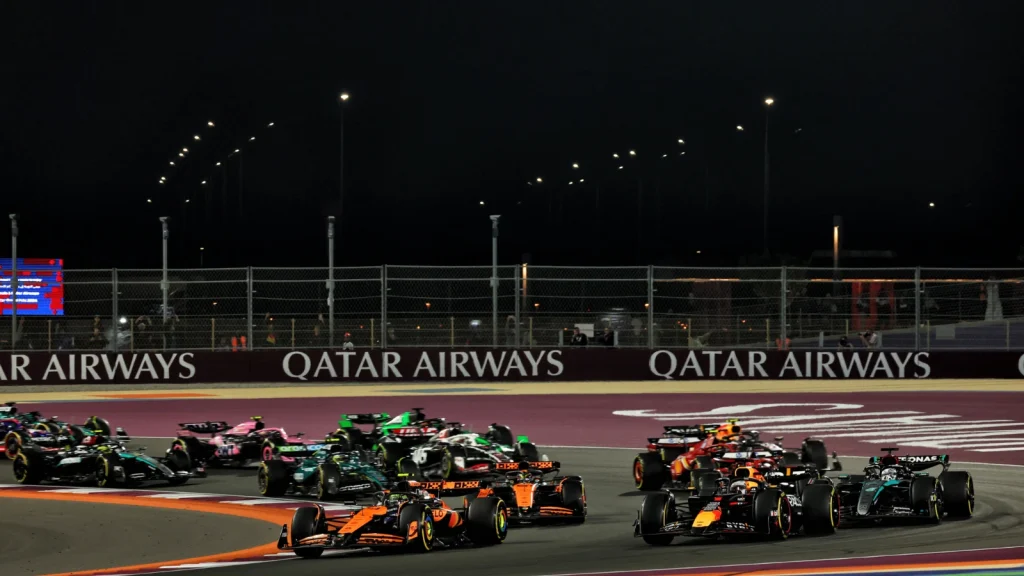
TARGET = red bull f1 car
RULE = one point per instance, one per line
(411, 517)
(676, 459)
(753, 502)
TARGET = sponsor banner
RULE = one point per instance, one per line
(408, 364)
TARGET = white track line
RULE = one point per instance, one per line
(785, 562)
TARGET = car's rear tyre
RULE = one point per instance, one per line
(99, 425)
(501, 434)
(814, 452)
(409, 470)
(649, 471)
(390, 454)
(48, 427)
(269, 448)
(423, 539)
(574, 497)
(178, 461)
(272, 478)
(926, 498)
(957, 493)
(657, 510)
(307, 522)
(105, 474)
(527, 451)
(12, 445)
(820, 509)
(78, 433)
(27, 468)
(487, 521)
(449, 462)
(773, 514)
(328, 478)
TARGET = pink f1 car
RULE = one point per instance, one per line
(239, 445)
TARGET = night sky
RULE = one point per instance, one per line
(880, 109)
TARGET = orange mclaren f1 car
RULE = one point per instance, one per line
(412, 517)
(532, 499)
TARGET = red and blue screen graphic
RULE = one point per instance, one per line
(40, 287)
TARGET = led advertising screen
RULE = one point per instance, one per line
(40, 287)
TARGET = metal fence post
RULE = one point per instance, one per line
(917, 309)
(164, 284)
(783, 299)
(650, 307)
(114, 332)
(330, 281)
(494, 280)
(14, 281)
(248, 308)
(519, 288)
(384, 306)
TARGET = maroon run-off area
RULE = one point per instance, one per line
(970, 426)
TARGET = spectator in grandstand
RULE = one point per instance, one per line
(844, 343)
(271, 339)
(317, 340)
(870, 339)
(346, 342)
(578, 338)
(97, 341)
(606, 338)
(224, 345)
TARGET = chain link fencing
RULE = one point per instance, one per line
(537, 306)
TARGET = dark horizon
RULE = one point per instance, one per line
(878, 112)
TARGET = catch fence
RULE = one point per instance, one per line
(537, 306)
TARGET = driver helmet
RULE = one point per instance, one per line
(889, 474)
(726, 431)
(742, 486)
(524, 476)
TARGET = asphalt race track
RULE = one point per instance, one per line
(42, 537)
(605, 543)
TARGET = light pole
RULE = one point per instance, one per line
(330, 281)
(341, 154)
(494, 279)
(768, 102)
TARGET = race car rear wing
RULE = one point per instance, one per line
(347, 420)
(297, 450)
(205, 427)
(916, 463)
(449, 488)
(701, 430)
(543, 467)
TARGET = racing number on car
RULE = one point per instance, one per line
(225, 449)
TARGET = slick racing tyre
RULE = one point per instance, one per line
(48, 427)
(307, 522)
(178, 461)
(106, 475)
(487, 521)
(705, 481)
(814, 452)
(649, 471)
(27, 468)
(417, 524)
(527, 451)
(409, 470)
(656, 511)
(703, 463)
(773, 515)
(390, 454)
(328, 478)
(957, 493)
(500, 434)
(450, 461)
(99, 425)
(12, 444)
(574, 497)
(272, 478)
(348, 438)
(820, 504)
(926, 498)
(269, 448)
